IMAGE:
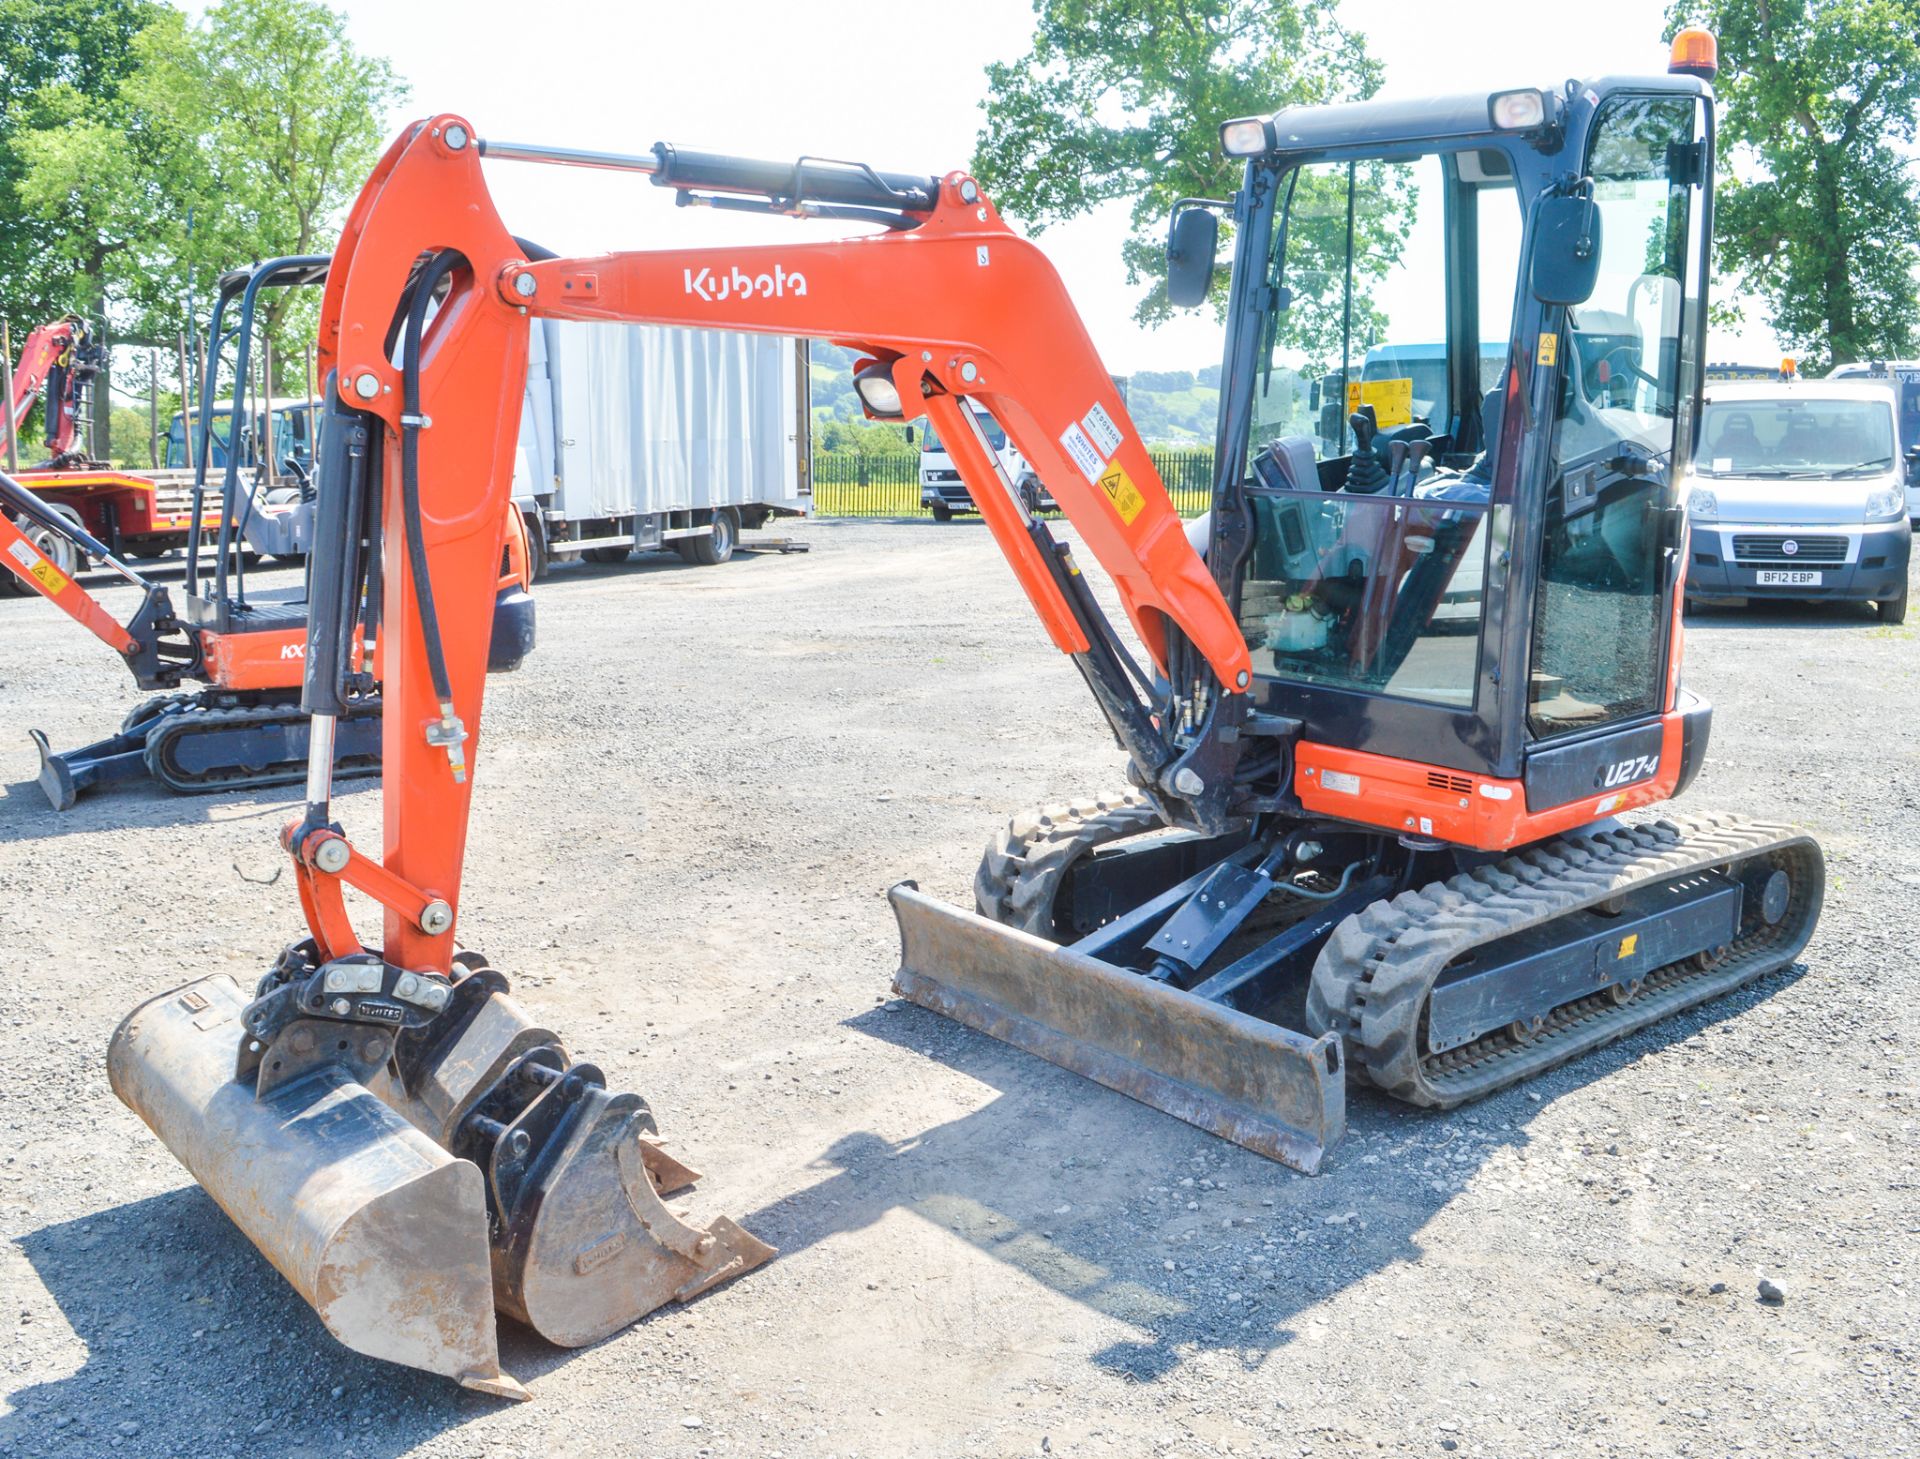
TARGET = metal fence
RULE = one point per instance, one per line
(850, 485)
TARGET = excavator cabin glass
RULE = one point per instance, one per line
(1405, 549)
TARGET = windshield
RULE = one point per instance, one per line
(1802, 437)
(996, 437)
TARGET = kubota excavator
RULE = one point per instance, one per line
(244, 729)
(57, 367)
(1400, 691)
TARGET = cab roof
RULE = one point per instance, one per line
(1828, 389)
(1409, 120)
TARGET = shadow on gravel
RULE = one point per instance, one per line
(1779, 613)
(193, 1339)
(1091, 1195)
(25, 814)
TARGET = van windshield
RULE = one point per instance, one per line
(1799, 438)
(996, 437)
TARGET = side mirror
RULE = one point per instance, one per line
(909, 435)
(1192, 239)
(1913, 466)
(1566, 249)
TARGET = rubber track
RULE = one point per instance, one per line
(178, 724)
(1020, 873)
(1371, 980)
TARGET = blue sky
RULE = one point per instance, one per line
(897, 85)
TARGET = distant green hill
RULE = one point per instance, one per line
(1170, 407)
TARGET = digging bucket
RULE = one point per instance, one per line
(1277, 1092)
(479, 1169)
(381, 1231)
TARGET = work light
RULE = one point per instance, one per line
(1246, 137)
(1517, 111)
(878, 392)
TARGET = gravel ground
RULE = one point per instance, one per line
(690, 803)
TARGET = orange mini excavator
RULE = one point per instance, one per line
(1401, 686)
(244, 729)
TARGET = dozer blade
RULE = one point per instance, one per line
(1277, 1092)
(380, 1230)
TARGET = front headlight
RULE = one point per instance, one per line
(1702, 505)
(1887, 506)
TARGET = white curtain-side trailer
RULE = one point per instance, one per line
(633, 436)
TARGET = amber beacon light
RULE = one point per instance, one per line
(1695, 53)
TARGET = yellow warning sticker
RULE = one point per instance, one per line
(1549, 352)
(51, 578)
(1627, 946)
(1121, 491)
(1392, 400)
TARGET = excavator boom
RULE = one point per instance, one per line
(61, 353)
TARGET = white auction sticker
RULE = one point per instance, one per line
(1106, 435)
(1081, 449)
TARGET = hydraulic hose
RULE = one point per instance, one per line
(450, 731)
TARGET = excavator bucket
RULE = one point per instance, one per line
(411, 1188)
(1263, 1086)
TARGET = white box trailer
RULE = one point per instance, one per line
(634, 436)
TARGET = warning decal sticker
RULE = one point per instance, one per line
(48, 576)
(1081, 449)
(1392, 400)
(1549, 348)
(1121, 491)
(1106, 435)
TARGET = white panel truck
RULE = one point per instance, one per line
(635, 437)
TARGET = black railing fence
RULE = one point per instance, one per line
(850, 485)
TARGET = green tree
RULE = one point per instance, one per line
(1817, 98)
(62, 64)
(1124, 99)
(284, 119)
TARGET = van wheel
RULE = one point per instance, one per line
(1893, 610)
(942, 512)
(716, 546)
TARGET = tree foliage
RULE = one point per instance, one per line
(1818, 97)
(142, 155)
(1124, 99)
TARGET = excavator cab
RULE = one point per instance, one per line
(1478, 573)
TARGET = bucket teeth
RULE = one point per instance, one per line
(480, 1170)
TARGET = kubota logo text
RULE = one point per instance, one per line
(712, 288)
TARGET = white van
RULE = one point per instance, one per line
(944, 493)
(1799, 490)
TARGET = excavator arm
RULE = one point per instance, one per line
(61, 358)
(424, 333)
